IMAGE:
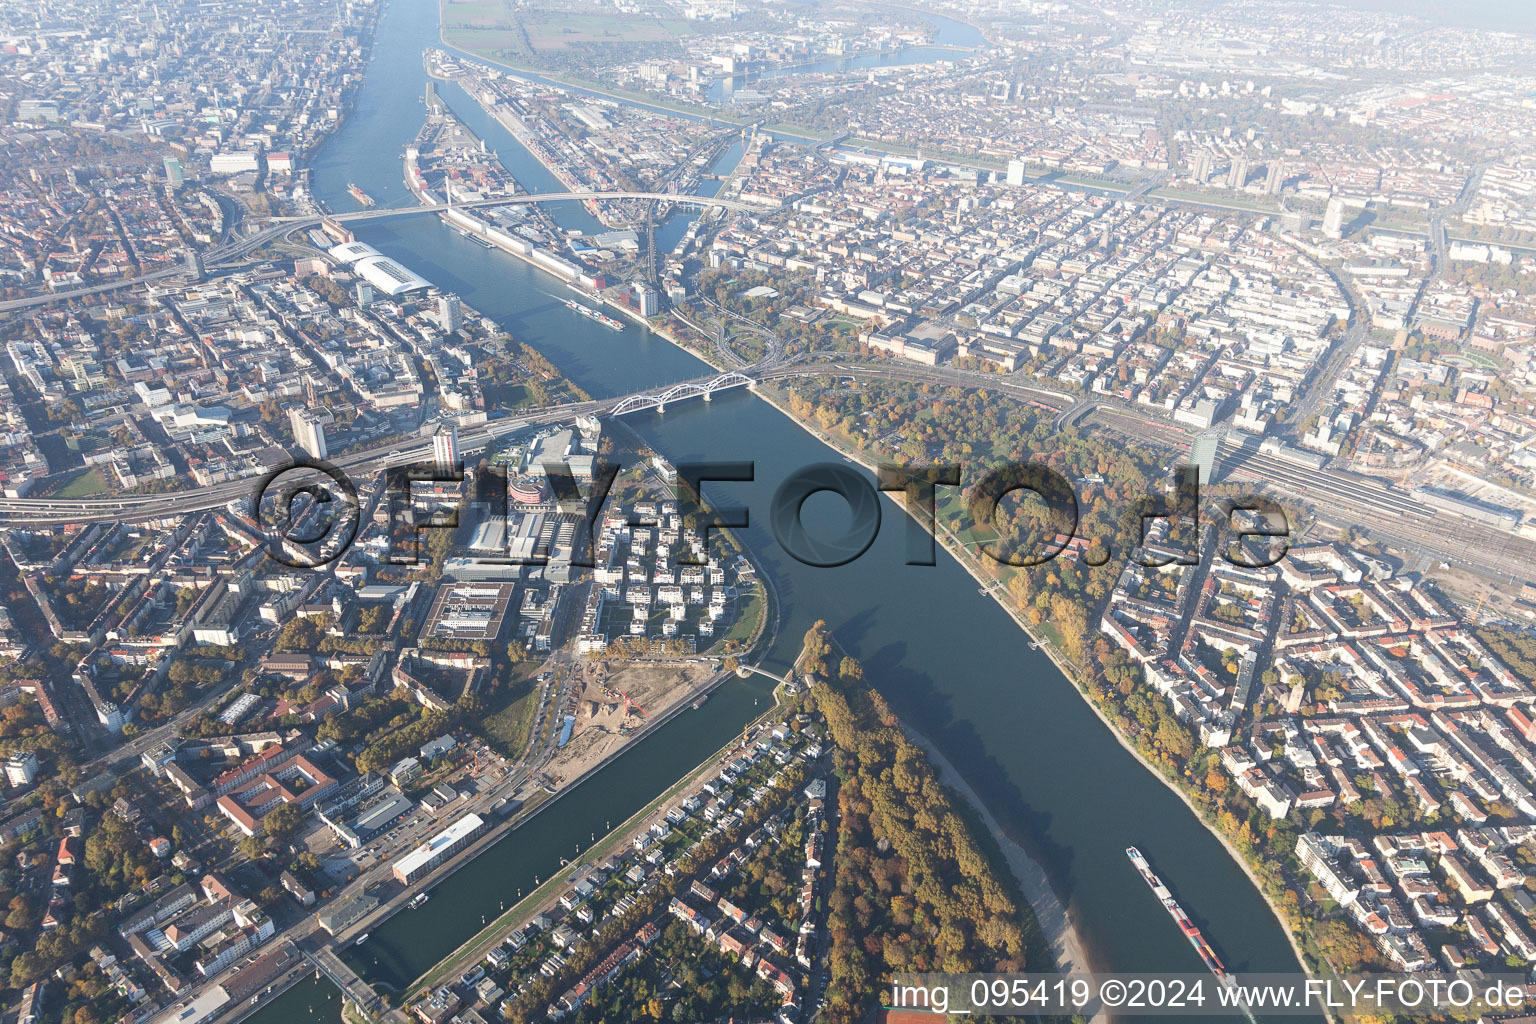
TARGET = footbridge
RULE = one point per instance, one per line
(746, 670)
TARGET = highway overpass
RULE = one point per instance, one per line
(365, 463)
(1339, 496)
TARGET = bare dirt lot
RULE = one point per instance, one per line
(604, 720)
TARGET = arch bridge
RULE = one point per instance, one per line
(659, 400)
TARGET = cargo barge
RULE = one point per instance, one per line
(1180, 918)
(592, 314)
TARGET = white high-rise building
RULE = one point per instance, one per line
(1201, 168)
(647, 299)
(1015, 172)
(1333, 218)
(1275, 179)
(1203, 454)
(450, 313)
(445, 449)
(309, 430)
(21, 769)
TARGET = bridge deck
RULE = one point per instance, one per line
(344, 978)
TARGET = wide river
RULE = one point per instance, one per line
(948, 658)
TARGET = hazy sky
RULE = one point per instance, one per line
(1510, 15)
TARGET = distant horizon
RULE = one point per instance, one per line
(1495, 15)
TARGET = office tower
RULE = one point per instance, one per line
(173, 172)
(364, 293)
(450, 313)
(309, 430)
(192, 262)
(1015, 172)
(1294, 222)
(1202, 454)
(445, 449)
(1201, 168)
(647, 299)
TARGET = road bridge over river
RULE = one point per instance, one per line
(367, 462)
(343, 977)
(237, 249)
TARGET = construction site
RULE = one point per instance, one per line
(617, 699)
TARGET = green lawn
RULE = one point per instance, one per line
(495, 26)
(479, 13)
(485, 40)
(1207, 199)
(559, 30)
(747, 618)
(506, 729)
(1484, 360)
(87, 482)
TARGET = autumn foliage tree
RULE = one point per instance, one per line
(913, 889)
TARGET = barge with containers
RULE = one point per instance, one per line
(592, 314)
(1191, 933)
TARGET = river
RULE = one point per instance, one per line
(950, 660)
(946, 45)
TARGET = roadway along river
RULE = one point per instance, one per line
(947, 657)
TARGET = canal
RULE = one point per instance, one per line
(947, 657)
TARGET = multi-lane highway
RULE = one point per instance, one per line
(16, 511)
(1337, 495)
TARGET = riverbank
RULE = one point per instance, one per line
(525, 909)
(643, 100)
(526, 815)
(1070, 671)
(1047, 908)
(274, 992)
(974, 684)
(1068, 949)
(937, 19)
(1075, 675)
